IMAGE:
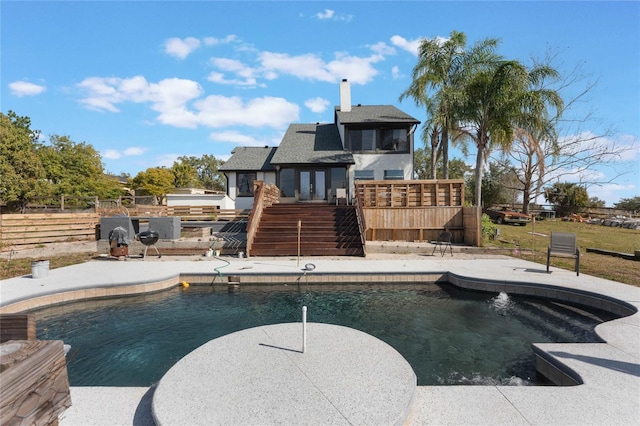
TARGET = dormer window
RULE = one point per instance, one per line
(381, 139)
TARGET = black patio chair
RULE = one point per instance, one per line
(443, 241)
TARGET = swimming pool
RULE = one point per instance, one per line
(448, 335)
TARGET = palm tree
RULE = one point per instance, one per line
(498, 97)
(437, 85)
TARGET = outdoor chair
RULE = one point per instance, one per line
(443, 241)
(341, 194)
(564, 244)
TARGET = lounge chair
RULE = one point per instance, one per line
(564, 244)
(443, 241)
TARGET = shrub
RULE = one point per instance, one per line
(488, 227)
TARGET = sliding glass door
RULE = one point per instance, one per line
(313, 185)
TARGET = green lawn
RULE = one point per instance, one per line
(533, 240)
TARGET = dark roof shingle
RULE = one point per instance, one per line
(312, 143)
(250, 158)
(374, 114)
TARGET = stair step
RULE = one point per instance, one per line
(327, 230)
(310, 252)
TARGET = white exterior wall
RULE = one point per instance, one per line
(246, 202)
(232, 188)
(267, 177)
(220, 200)
(381, 162)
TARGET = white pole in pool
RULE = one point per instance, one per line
(304, 329)
(299, 229)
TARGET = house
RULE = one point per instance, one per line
(315, 161)
(199, 197)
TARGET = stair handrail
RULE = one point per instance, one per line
(362, 226)
(264, 195)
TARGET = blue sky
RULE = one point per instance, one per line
(145, 82)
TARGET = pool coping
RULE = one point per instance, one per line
(610, 372)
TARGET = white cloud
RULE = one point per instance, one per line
(410, 46)
(172, 98)
(395, 72)
(134, 151)
(212, 41)
(113, 154)
(612, 193)
(103, 94)
(621, 148)
(169, 97)
(329, 14)
(236, 138)
(633, 148)
(166, 160)
(181, 48)
(358, 70)
(381, 48)
(222, 111)
(24, 88)
(234, 66)
(317, 104)
(326, 14)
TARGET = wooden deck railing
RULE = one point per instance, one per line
(362, 224)
(411, 193)
(264, 196)
(186, 213)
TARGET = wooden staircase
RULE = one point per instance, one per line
(326, 230)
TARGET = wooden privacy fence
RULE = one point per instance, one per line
(411, 193)
(418, 211)
(22, 231)
(423, 224)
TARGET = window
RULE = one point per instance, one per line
(338, 177)
(394, 140)
(378, 140)
(363, 175)
(287, 183)
(355, 140)
(245, 184)
(393, 175)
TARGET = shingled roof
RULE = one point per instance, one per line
(312, 144)
(250, 158)
(374, 114)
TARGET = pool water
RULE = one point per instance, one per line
(449, 336)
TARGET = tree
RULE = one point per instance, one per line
(496, 185)
(596, 202)
(76, 169)
(564, 149)
(437, 84)
(207, 170)
(420, 164)
(155, 181)
(629, 204)
(458, 169)
(185, 175)
(567, 198)
(500, 96)
(23, 176)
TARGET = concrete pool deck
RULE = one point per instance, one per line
(609, 372)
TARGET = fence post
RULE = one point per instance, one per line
(62, 202)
